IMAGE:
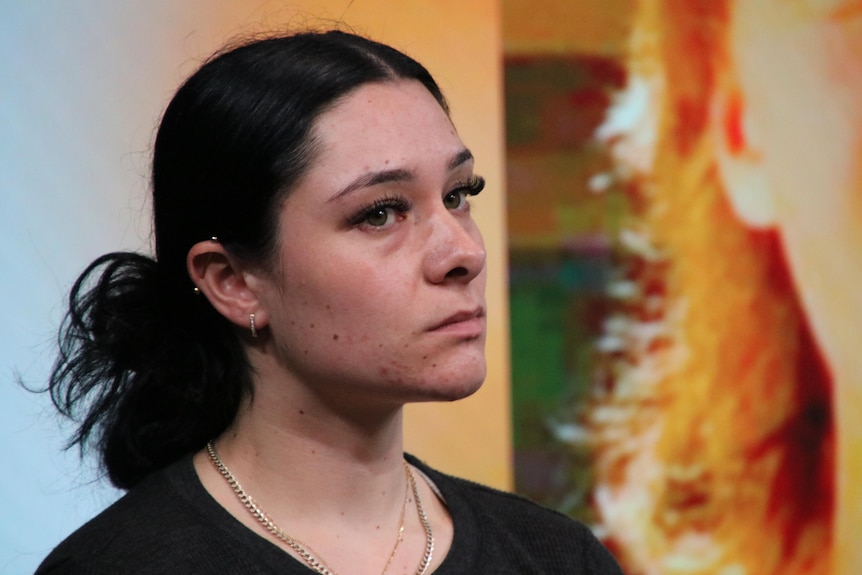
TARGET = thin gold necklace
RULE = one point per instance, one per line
(311, 557)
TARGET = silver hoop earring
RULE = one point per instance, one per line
(251, 324)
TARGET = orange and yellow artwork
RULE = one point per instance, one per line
(719, 408)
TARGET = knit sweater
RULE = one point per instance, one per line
(169, 524)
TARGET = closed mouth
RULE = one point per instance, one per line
(460, 317)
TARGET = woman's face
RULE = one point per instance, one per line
(799, 65)
(378, 290)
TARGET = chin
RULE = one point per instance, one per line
(456, 384)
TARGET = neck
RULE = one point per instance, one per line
(328, 471)
(307, 457)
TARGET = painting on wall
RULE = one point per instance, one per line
(560, 225)
(686, 231)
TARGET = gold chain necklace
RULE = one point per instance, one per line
(311, 557)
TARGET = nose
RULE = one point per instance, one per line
(455, 250)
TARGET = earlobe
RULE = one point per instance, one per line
(222, 279)
(739, 158)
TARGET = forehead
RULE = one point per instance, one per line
(391, 124)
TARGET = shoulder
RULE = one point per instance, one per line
(530, 538)
(133, 524)
(508, 510)
(165, 524)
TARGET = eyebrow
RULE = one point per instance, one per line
(398, 175)
(461, 157)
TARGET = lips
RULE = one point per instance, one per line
(469, 323)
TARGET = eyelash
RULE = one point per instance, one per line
(471, 187)
(401, 205)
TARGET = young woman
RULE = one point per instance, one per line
(316, 268)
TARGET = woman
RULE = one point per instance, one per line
(316, 268)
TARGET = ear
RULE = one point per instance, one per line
(226, 283)
(740, 158)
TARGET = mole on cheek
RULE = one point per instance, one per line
(335, 336)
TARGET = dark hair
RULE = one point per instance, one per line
(149, 370)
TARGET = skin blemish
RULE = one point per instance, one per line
(311, 325)
(305, 352)
(301, 412)
(335, 336)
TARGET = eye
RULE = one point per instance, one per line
(380, 214)
(457, 198)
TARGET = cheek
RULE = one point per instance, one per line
(343, 299)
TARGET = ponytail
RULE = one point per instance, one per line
(148, 371)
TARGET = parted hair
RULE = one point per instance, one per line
(147, 369)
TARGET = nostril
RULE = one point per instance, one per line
(458, 272)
